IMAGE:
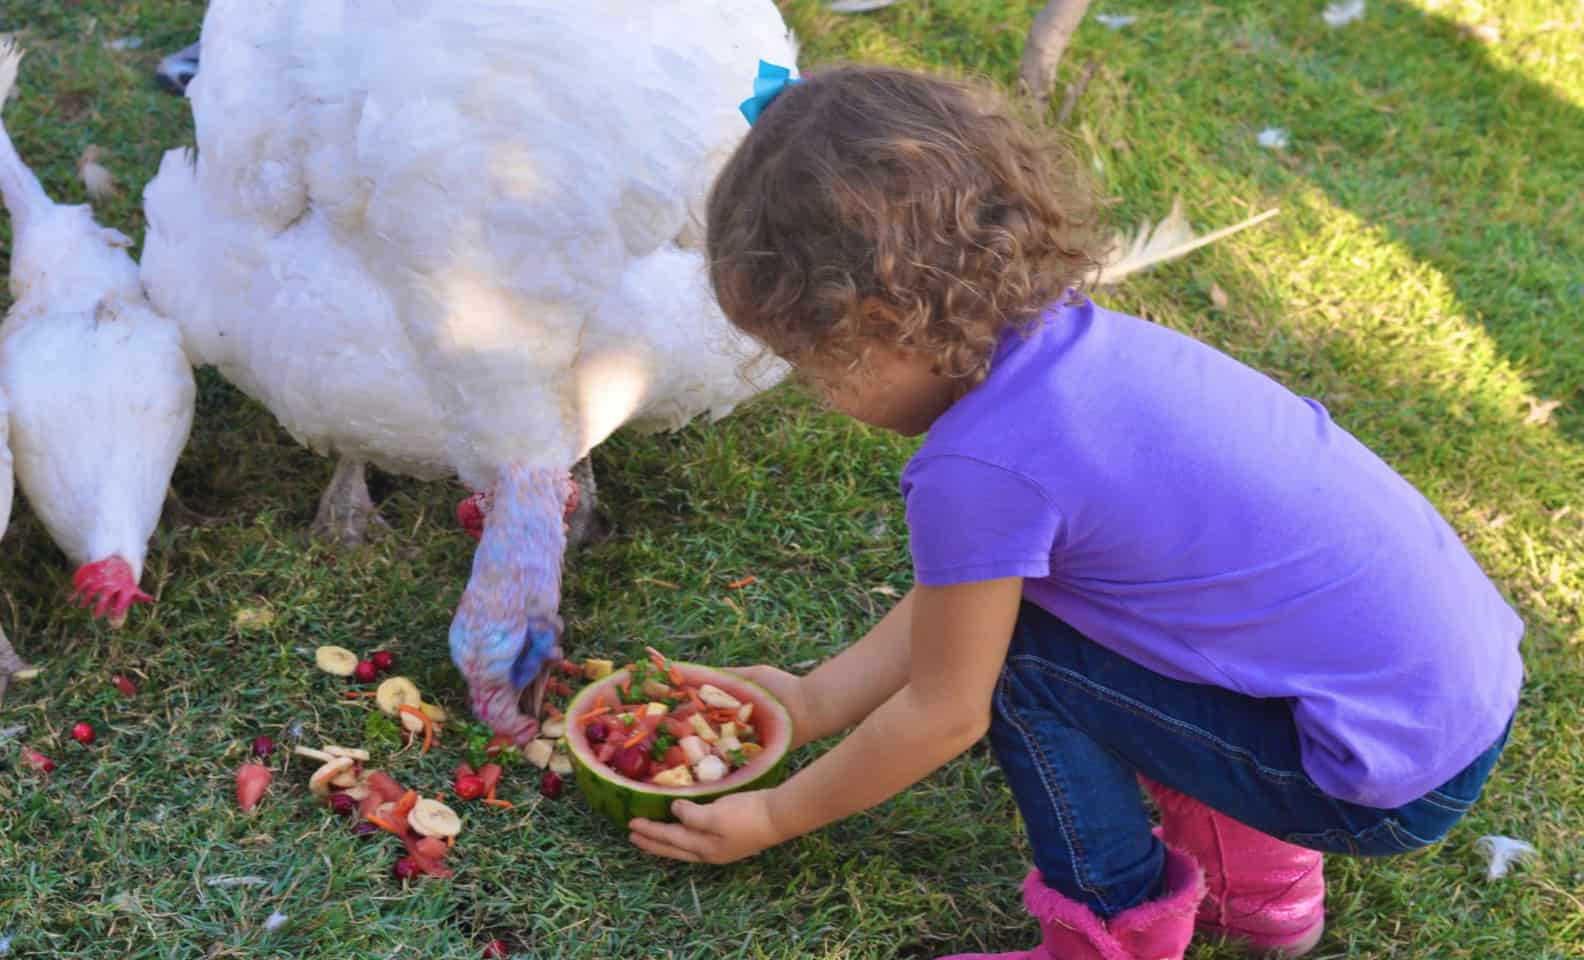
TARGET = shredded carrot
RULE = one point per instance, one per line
(657, 658)
(596, 712)
(693, 695)
(450, 842)
(428, 725)
(406, 803)
(626, 686)
(637, 737)
(383, 824)
(553, 713)
(355, 694)
(739, 584)
(675, 676)
(503, 804)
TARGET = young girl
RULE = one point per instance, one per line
(1138, 562)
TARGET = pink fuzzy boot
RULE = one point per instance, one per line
(1262, 891)
(1157, 930)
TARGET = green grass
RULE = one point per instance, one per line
(1425, 280)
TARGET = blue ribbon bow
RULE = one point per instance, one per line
(767, 86)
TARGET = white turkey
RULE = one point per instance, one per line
(100, 393)
(463, 238)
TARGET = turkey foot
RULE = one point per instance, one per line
(345, 508)
(108, 589)
(11, 665)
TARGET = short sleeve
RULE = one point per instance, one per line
(969, 520)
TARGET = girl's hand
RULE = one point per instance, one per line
(792, 691)
(731, 828)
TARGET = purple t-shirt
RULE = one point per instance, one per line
(1198, 518)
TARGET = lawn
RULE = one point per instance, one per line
(1425, 280)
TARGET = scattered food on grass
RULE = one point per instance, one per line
(275, 921)
(83, 733)
(469, 786)
(406, 868)
(395, 693)
(127, 687)
(263, 746)
(37, 761)
(365, 672)
(551, 784)
(338, 661)
(383, 660)
(252, 780)
(496, 950)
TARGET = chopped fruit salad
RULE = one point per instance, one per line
(665, 730)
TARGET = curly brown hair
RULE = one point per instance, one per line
(874, 206)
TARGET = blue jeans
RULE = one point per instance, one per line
(1072, 724)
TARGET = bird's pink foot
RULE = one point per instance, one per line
(109, 588)
(496, 706)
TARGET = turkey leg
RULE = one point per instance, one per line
(345, 508)
(11, 665)
(584, 525)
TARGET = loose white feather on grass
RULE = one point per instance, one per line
(1153, 244)
(1344, 13)
(860, 6)
(1503, 852)
(97, 180)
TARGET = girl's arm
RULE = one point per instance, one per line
(849, 686)
(957, 640)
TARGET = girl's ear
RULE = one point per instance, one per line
(881, 320)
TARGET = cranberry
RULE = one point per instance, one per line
(127, 687)
(550, 785)
(83, 734)
(406, 868)
(470, 786)
(263, 746)
(37, 761)
(596, 733)
(365, 672)
(383, 660)
(343, 804)
(496, 950)
(363, 828)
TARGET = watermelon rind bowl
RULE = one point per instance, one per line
(621, 798)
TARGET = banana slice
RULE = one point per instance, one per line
(411, 723)
(552, 729)
(346, 779)
(353, 752)
(323, 756)
(434, 819)
(538, 753)
(434, 712)
(319, 783)
(562, 764)
(337, 660)
(396, 692)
